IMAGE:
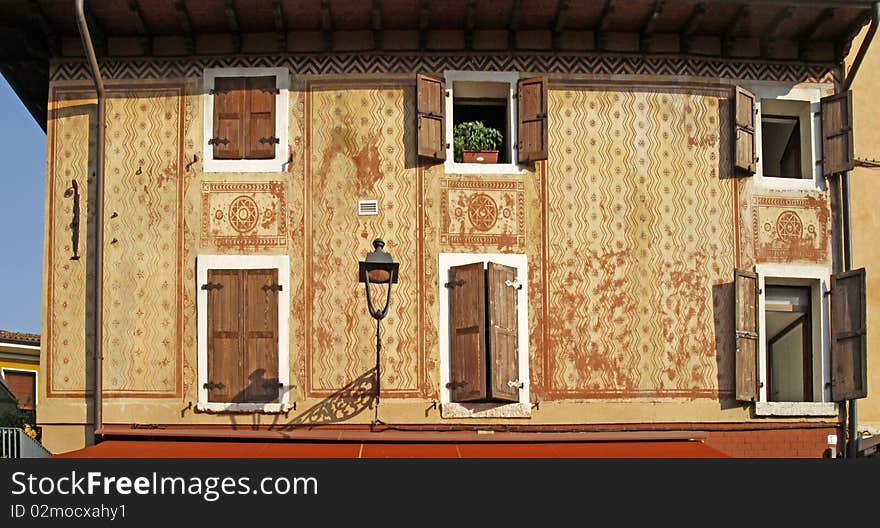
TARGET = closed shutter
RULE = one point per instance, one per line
(745, 284)
(467, 314)
(260, 121)
(24, 386)
(744, 131)
(848, 336)
(261, 339)
(503, 362)
(837, 134)
(431, 108)
(225, 327)
(229, 110)
(532, 119)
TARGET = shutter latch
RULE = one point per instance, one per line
(269, 140)
(218, 141)
(515, 284)
(452, 385)
(515, 384)
(212, 286)
(214, 385)
(272, 287)
(454, 283)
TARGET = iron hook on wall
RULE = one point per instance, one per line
(73, 191)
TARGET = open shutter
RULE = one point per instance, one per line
(260, 135)
(261, 338)
(532, 119)
(225, 326)
(503, 362)
(24, 386)
(848, 339)
(745, 283)
(467, 315)
(837, 134)
(229, 109)
(744, 122)
(431, 108)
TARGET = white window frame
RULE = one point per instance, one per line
(282, 264)
(36, 374)
(811, 93)
(282, 84)
(450, 409)
(450, 166)
(818, 279)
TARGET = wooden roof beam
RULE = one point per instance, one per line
(185, 25)
(559, 21)
(53, 43)
(604, 22)
(773, 28)
(692, 26)
(734, 29)
(806, 37)
(469, 23)
(377, 24)
(424, 23)
(280, 27)
(648, 29)
(135, 9)
(99, 38)
(513, 25)
(234, 26)
(327, 25)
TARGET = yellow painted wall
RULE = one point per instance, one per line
(632, 230)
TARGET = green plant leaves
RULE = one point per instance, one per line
(473, 135)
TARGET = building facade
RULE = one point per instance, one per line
(655, 249)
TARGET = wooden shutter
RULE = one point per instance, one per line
(259, 131)
(744, 130)
(431, 108)
(837, 134)
(229, 110)
(848, 336)
(261, 338)
(532, 119)
(225, 326)
(745, 283)
(24, 386)
(467, 316)
(503, 362)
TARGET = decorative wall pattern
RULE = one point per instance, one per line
(361, 146)
(71, 158)
(639, 231)
(482, 213)
(791, 229)
(244, 215)
(403, 63)
(143, 268)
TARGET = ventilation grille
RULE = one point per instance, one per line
(368, 207)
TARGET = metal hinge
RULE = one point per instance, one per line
(456, 385)
(454, 283)
(270, 140)
(272, 287)
(218, 141)
(515, 284)
(515, 384)
(212, 286)
(212, 385)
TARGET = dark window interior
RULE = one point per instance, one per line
(781, 146)
(492, 113)
(788, 316)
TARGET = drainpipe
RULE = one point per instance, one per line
(853, 445)
(99, 218)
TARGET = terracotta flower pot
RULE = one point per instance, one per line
(480, 156)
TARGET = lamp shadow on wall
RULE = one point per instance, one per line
(723, 307)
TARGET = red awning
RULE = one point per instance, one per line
(220, 449)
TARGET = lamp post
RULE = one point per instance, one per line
(378, 268)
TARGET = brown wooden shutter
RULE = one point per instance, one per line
(24, 386)
(744, 130)
(259, 131)
(467, 316)
(431, 108)
(532, 119)
(837, 134)
(848, 336)
(229, 110)
(504, 382)
(261, 340)
(225, 327)
(745, 283)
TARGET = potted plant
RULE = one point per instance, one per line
(474, 142)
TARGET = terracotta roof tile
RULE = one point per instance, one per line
(19, 338)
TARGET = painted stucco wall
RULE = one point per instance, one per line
(632, 230)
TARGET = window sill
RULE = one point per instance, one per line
(267, 408)
(266, 165)
(485, 410)
(801, 184)
(828, 409)
(482, 168)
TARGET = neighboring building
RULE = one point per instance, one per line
(20, 366)
(652, 256)
(8, 402)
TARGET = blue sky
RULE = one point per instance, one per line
(22, 189)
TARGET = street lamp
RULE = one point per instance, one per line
(378, 268)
